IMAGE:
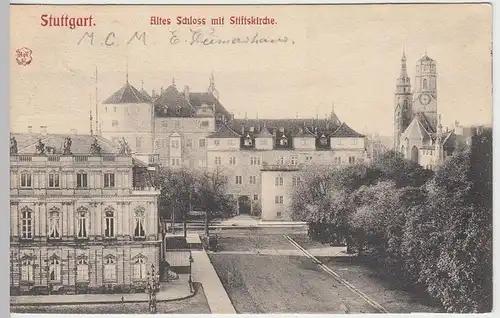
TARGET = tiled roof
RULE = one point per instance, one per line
(198, 99)
(304, 133)
(345, 131)
(289, 125)
(128, 94)
(172, 103)
(224, 132)
(263, 133)
(143, 91)
(80, 144)
(425, 123)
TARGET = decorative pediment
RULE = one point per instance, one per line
(110, 256)
(140, 256)
(25, 209)
(82, 211)
(54, 209)
(139, 211)
(82, 257)
(28, 257)
(109, 210)
(54, 256)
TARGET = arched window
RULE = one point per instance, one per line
(109, 222)
(82, 269)
(109, 268)
(139, 267)
(27, 268)
(54, 223)
(83, 222)
(424, 83)
(139, 220)
(283, 141)
(26, 223)
(26, 179)
(55, 268)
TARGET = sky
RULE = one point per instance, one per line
(346, 55)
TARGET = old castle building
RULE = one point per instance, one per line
(82, 215)
(193, 130)
(418, 132)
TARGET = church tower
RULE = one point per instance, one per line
(403, 101)
(426, 91)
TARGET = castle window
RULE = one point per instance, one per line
(175, 143)
(109, 268)
(139, 220)
(337, 160)
(27, 270)
(323, 141)
(424, 83)
(239, 180)
(280, 160)
(231, 142)
(205, 123)
(218, 160)
(82, 223)
(109, 180)
(81, 180)
(255, 197)
(252, 129)
(295, 181)
(82, 270)
(216, 142)
(255, 161)
(248, 141)
(189, 143)
(109, 222)
(352, 160)
(53, 180)
(294, 160)
(278, 200)
(253, 180)
(54, 223)
(55, 269)
(232, 160)
(278, 181)
(125, 111)
(114, 123)
(26, 223)
(26, 180)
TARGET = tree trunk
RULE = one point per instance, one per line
(206, 223)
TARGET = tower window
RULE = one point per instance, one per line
(424, 83)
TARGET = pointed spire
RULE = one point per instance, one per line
(333, 107)
(404, 73)
(404, 53)
(211, 86)
(173, 81)
(126, 71)
(96, 105)
(142, 85)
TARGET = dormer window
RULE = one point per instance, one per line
(323, 140)
(248, 140)
(252, 129)
(283, 141)
(282, 129)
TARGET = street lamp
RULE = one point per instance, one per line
(153, 287)
(190, 281)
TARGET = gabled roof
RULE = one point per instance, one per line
(198, 99)
(127, 95)
(224, 132)
(305, 133)
(263, 133)
(80, 144)
(416, 130)
(426, 58)
(172, 103)
(345, 131)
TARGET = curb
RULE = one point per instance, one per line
(104, 302)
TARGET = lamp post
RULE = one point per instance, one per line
(153, 287)
(190, 281)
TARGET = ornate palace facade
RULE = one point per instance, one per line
(82, 215)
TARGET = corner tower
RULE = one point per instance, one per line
(403, 103)
(426, 91)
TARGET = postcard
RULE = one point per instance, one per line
(214, 159)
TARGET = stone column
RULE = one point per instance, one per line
(14, 218)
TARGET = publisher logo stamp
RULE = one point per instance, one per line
(23, 56)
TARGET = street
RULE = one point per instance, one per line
(267, 274)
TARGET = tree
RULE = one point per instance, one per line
(177, 189)
(211, 193)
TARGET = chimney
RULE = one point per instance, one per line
(301, 130)
(274, 132)
(242, 130)
(43, 130)
(30, 129)
(186, 92)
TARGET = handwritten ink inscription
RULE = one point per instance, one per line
(192, 37)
